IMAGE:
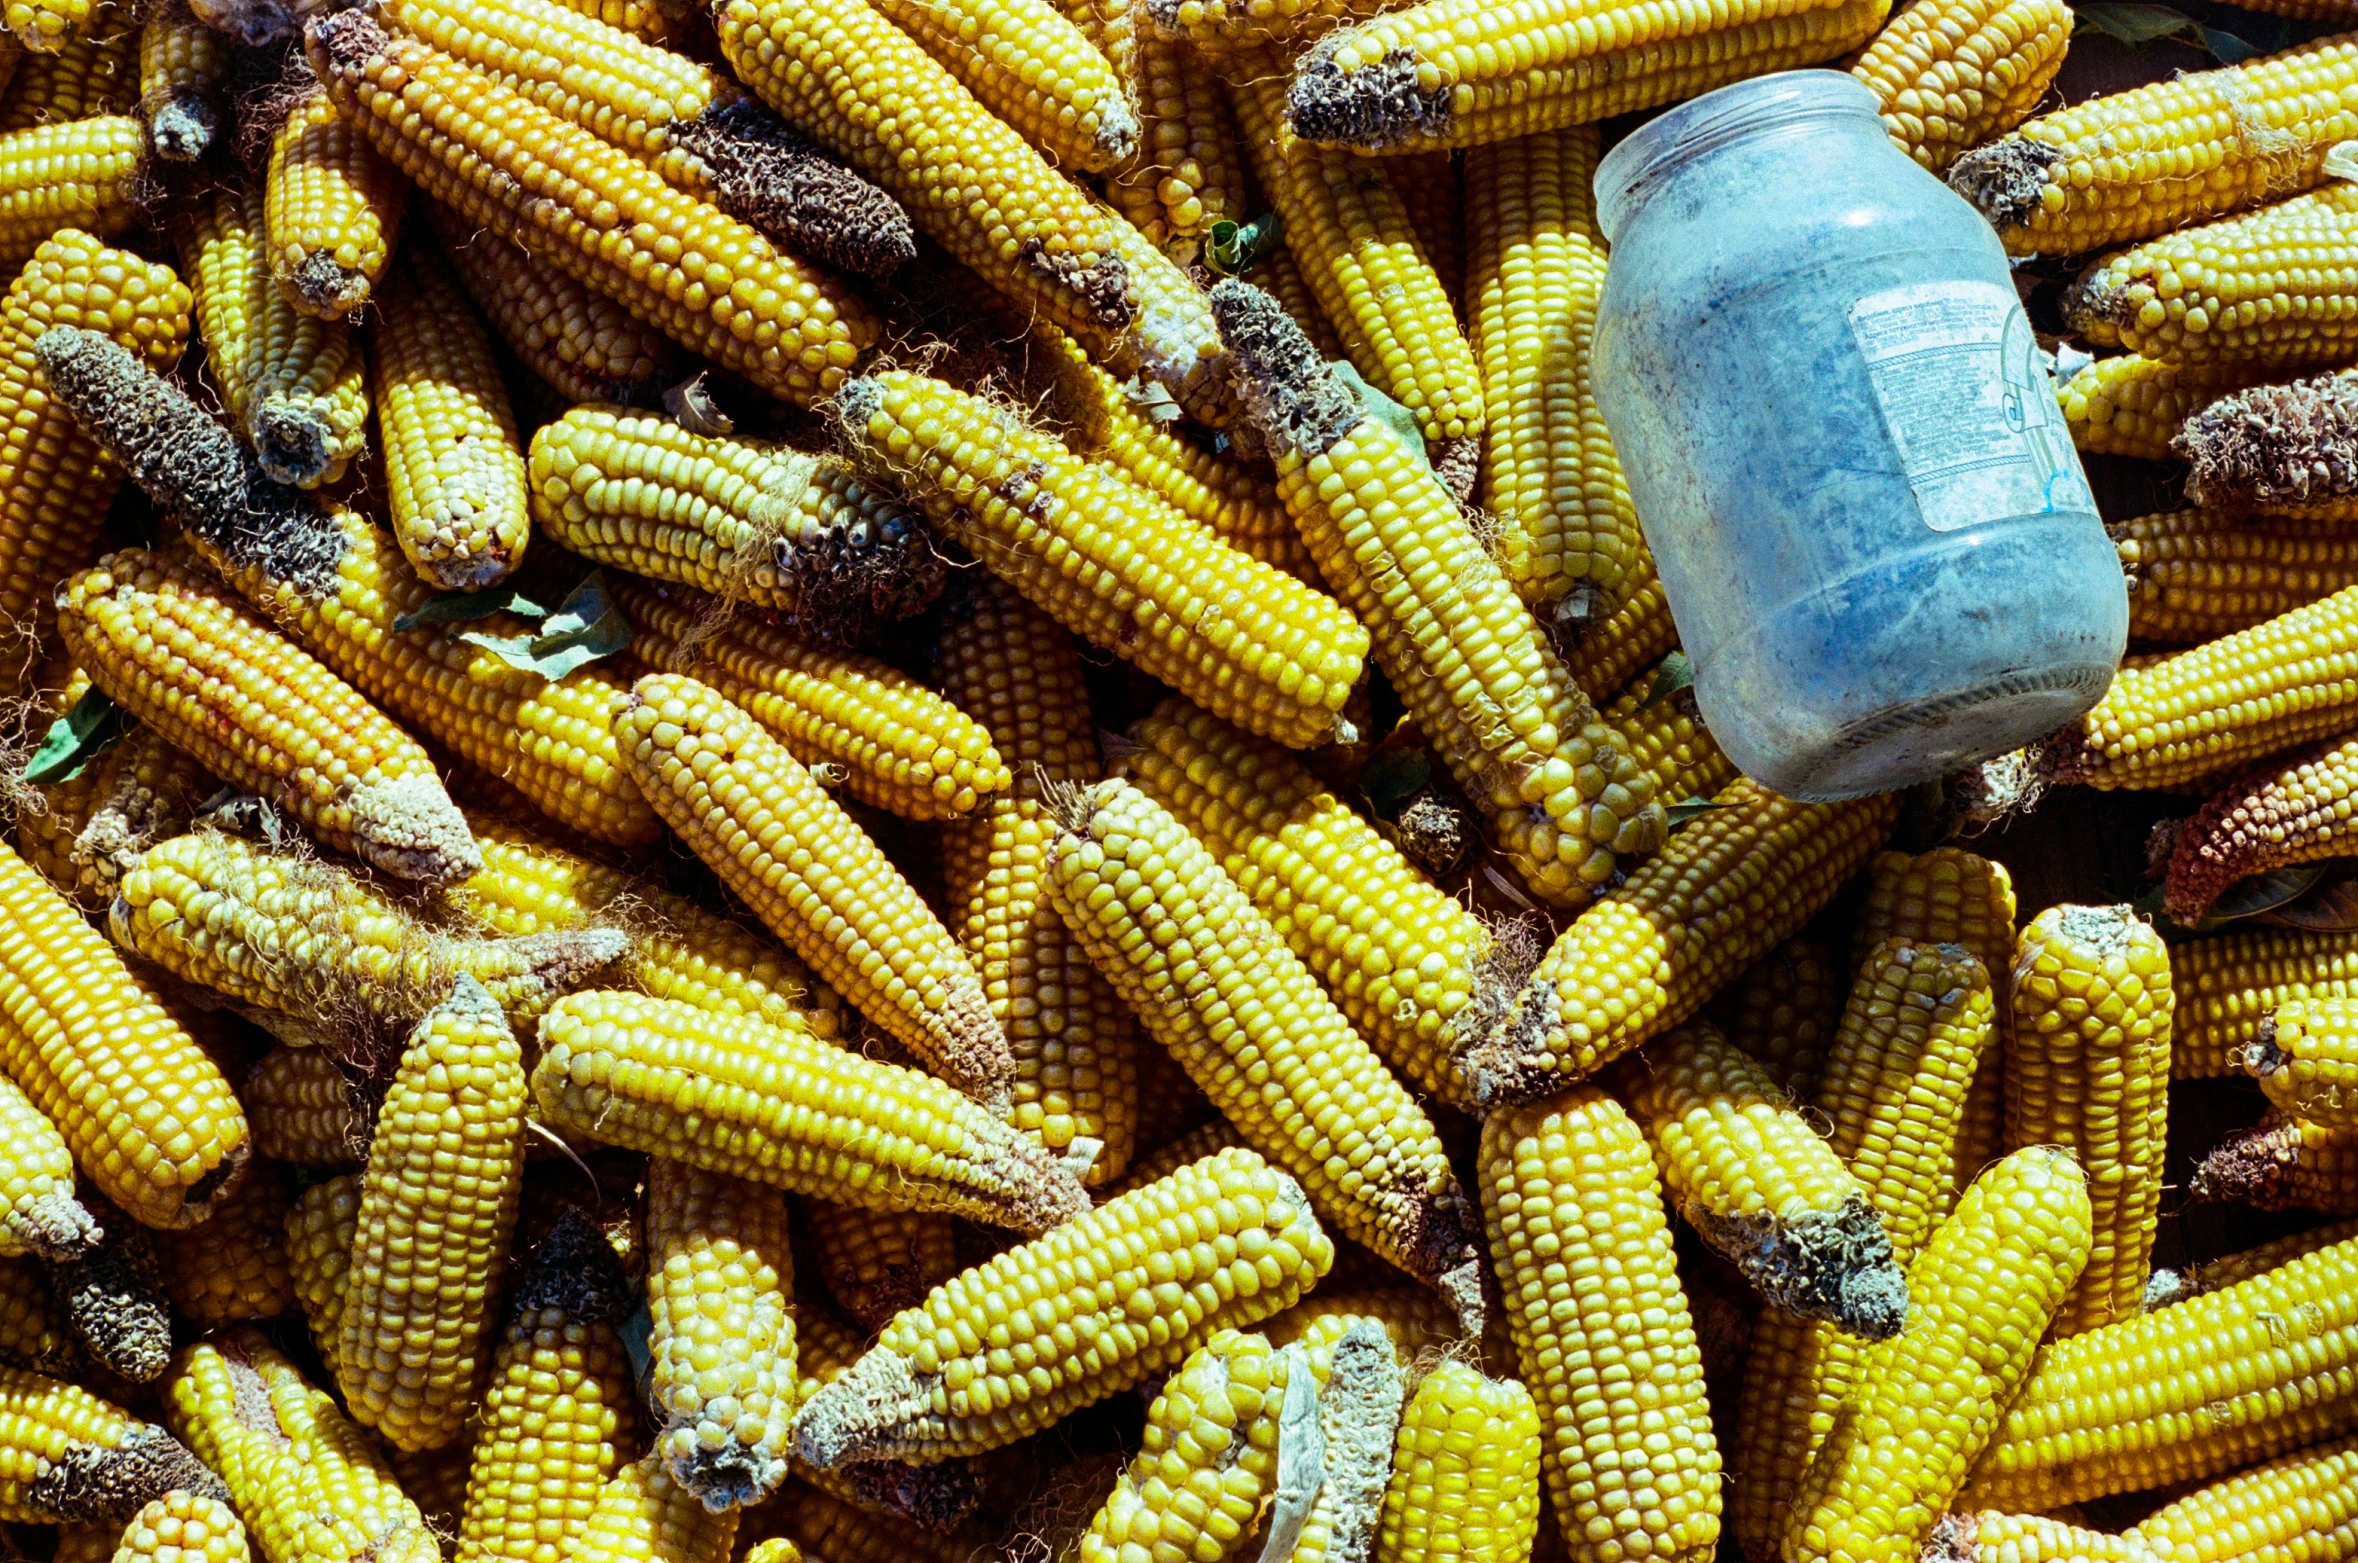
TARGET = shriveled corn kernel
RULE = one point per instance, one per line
(2284, 1163)
(2293, 810)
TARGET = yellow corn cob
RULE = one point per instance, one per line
(2142, 162)
(1192, 955)
(1110, 562)
(33, 1331)
(777, 1106)
(1668, 740)
(46, 26)
(1349, 230)
(877, 1262)
(320, 1233)
(582, 343)
(1361, 1390)
(1954, 75)
(1568, 535)
(184, 1527)
(183, 65)
(1601, 1329)
(1187, 172)
(2292, 810)
(2216, 1274)
(719, 1287)
(295, 383)
(1928, 1399)
(1604, 656)
(1727, 889)
(147, 1114)
(2301, 1506)
(38, 1210)
(2194, 1390)
(2128, 405)
(1145, 1278)
(234, 1267)
(1208, 1463)
(1222, 27)
(87, 831)
(68, 1457)
(80, 174)
(2195, 575)
(2225, 986)
(92, 75)
(884, 1499)
(1563, 796)
(454, 471)
(305, 1112)
(765, 524)
(332, 203)
(1280, 275)
(753, 813)
(686, 121)
(2306, 1059)
(1013, 670)
(1753, 1179)
(1429, 189)
(1032, 69)
(806, 1521)
(1456, 72)
(310, 1485)
(558, 1417)
(1465, 1479)
(896, 745)
(1412, 970)
(1918, 1021)
(271, 720)
(643, 1516)
(436, 1481)
(1414, 1318)
(787, 327)
(1782, 1011)
(870, 93)
(1986, 1536)
(649, 21)
(2284, 1163)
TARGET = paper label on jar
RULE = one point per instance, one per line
(1968, 403)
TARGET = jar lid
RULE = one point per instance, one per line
(1665, 143)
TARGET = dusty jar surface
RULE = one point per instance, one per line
(1870, 523)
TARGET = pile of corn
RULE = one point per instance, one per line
(1071, 942)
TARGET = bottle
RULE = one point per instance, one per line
(1869, 521)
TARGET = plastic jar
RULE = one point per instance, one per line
(1869, 520)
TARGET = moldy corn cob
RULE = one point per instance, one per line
(2284, 1163)
(912, 1509)
(2306, 1059)
(332, 204)
(68, 1457)
(183, 66)
(1956, 74)
(922, 1392)
(2292, 810)
(2278, 450)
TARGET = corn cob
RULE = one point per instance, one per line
(1360, 1398)
(1753, 1179)
(650, 21)
(557, 1418)
(1187, 172)
(684, 120)
(719, 1287)
(1111, 563)
(1225, 27)
(1929, 1398)
(1193, 1145)
(2226, 986)
(1012, 669)
(1568, 535)
(765, 524)
(305, 1112)
(1456, 73)
(583, 344)
(92, 75)
(776, 1106)
(332, 203)
(68, 1457)
(112, 1295)
(146, 1113)
(1465, 1479)
(294, 383)
(1032, 69)
(184, 1527)
(2288, 811)
(321, 1230)
(2194, 1390)
(46, 26)
(1280, 276)
(310, 1485)
(898, 1401)
(234, 1267)
(438, 1205)
(752, 812)
(678, 949)
(1412, 971)
(2216, 1274)
(1918, 1020)
(1668, 740)
(807, 1521)
(643, 1516)
(2301, 1506)
(895, 744)
(80, 174)
(2306, 1060)
(790, 329)
(85, 831)
(1417, 1320)
(1348, 228)
(1728, 889)
(1604, 656)
(877, 1262)
(1562, 793)
(1168, 928)
(1601, 1328)
(1208, 1464)
(2280, 450)
(2142, 162)
(2283, 1163)
(2195, 575)
(338, 585)
(1986, 1536)
(38, 1210)
(33, 1332)
(2129, 405)
(454, 471)
(1783, 1011)
(1955, 75)
(183, 64)
(436, 1481)
(884, 1498)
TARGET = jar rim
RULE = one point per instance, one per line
(1670, 140)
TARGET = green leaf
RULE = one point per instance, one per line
(1394, 776)
(2257, 893)
(2131, 23)
(1385, 411)
(2226, 48)
(1234, 248)
(1686, 811)
(2331, 908)
(95, 725)
(466, 607)
(585, 627)
(1675, 674)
